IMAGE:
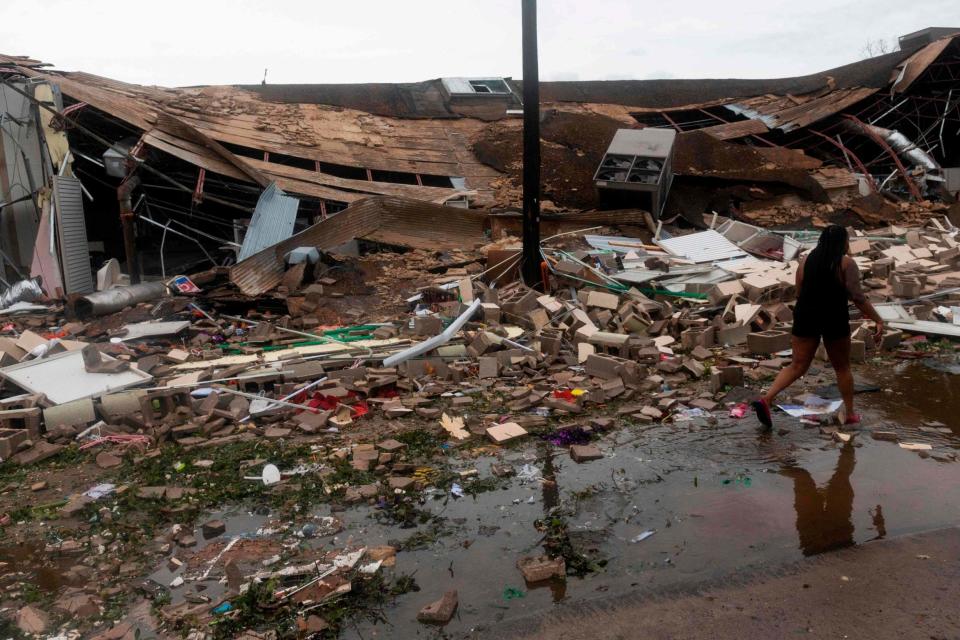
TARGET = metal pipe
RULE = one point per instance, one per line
(127, 219)
(272, 404)
(113, 300)
(253, 396)
(435, 341)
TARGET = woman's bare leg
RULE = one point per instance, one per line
(839, 352)
(803, 351)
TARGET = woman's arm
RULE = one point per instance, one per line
(851, 278)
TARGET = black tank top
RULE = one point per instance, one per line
(821, 308)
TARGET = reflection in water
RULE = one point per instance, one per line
(551, 499)
(823, 515)
(879, 523)
(551, 491)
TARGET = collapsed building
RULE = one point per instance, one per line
(212, 175)
(328, 326)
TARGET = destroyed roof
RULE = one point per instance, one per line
(674, 93)
(427, 99)
(399, 139)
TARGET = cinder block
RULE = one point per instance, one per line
(905, 286)
(881, 268)
(723, 291)
(698, 336)
(10, 440)
(858, 351)
(891, 339)
(726, 376)
(25, 419)
(733, 335)
(767, 342)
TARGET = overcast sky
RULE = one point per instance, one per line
(177, 42)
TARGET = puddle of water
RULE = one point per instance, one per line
(719, 499)
(30, 560)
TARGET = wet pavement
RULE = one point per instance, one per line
(719, 498)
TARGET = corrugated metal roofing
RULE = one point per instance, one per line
(72, 234)
(272, 221)
(705, 246)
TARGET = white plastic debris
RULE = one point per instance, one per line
(643, 536)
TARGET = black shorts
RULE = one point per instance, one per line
(829, 326)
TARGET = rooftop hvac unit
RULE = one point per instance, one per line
(639, 160)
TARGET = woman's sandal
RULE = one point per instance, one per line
(763, 412)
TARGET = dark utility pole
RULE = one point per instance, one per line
(531, 147)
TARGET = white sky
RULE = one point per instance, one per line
(176, 43)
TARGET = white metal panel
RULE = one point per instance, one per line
(72, 234)
(649, 142)
(457, 85)
(64, 378)
(141, 330)
(705, 246)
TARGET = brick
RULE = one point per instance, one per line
(694, 367)
(550, 304)
(390, 445)
(585, 351)
(600, 366)
(505, 432)
(603, 300)
(767, 342)
(540, 568)
(563, 405)
(489, 367)
(651, 412)
(704, 403)
(491, 312)
(484, 343)
(402, 483)
(585, 452)
(440, 611)
(37, 453)
(701, 353)
(550, 341)
(538, 318)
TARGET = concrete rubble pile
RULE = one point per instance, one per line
(472, 364)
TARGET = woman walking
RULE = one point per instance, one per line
(826, 280)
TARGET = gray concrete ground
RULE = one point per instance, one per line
(901, 589)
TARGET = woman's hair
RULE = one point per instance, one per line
(824, 261)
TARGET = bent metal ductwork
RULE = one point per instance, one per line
(901, 144)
